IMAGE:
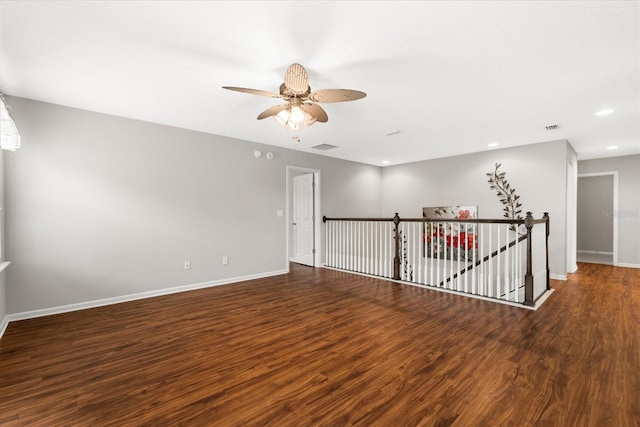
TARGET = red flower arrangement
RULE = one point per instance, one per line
(464, 214)
(450, 245)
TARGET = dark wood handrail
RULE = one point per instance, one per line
(325, 219)
(469, 221)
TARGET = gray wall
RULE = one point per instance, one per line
(628, 213)
(537, 171)
(100, 206)
(595, 209)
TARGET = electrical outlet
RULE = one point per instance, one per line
(225, 260)
(187, 265)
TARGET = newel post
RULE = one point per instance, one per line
(396, 259)
(547, 222)
(528, 277)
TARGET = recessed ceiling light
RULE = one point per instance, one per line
(612, 147)
(385, 162)
(604, 112)
(492, 144)
(392, 132)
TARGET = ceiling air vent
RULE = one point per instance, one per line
(552, 127)
(324, 147)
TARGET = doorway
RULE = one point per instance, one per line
(303, 216)
(597, 220)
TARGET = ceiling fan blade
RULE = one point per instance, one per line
(296, 79)
(252, 91)
(272, 111)
(316, 112)
(336, 95)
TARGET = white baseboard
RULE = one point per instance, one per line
(584, 251)
(627, 265)
(4, 265)
(543, 298)
(558, 276)
(132, 297)
(3, 326)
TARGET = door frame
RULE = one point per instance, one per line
(317, 216)
(571, 222)
(615, 207)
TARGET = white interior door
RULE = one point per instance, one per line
(303, 234)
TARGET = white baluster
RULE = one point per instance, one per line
(369, 247)
(450, 257)
(391, 251)
(438, 254)
(517, 274)
(385, 253)
(328, 236)
(498, 271)
(514, 279)
(366, 247)
(417, 273)
(477, 277)
(430, 233)
(378, 250)
(363, 240)
(345, 245)
(343, 237)
(358, 251)
(333, 242)
(423, 253)
(340, 244)
(327, 241)
(457, 284)
(417, 265)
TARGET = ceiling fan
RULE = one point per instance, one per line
(301, 107)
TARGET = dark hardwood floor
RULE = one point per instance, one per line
(326, 348)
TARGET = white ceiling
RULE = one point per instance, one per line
(450, 76)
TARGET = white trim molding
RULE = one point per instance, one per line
(3, 325)
(317, 211)
(132, 297)
(615, 207)
(558, 277)
(4, 265)
(584, 251)
(626, 265)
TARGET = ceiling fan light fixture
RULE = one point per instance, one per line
(294, 118)
(282, 118)
(301, 109)
(297, 116)
(309, 120)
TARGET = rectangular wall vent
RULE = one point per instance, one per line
(324, 147)
(552, 127)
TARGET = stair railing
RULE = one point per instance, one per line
(503, 259)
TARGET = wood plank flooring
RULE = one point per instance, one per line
(320, 347)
